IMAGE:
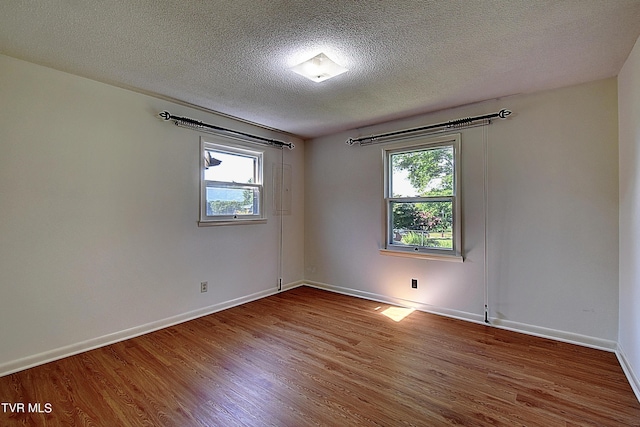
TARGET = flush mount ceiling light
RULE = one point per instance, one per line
(319, 68)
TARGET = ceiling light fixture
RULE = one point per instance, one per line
(319, 68)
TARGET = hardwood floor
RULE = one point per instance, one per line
(309, 357)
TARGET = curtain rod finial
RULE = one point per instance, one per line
(504, 113)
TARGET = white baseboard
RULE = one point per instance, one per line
(634, 381)
(555, 334)
(456, 314)
(292, 285)
(569, 337)
(93, 343)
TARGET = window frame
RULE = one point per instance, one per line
(231, 147)
(415, 251)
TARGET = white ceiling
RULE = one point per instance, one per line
(404, 57)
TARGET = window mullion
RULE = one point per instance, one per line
(225, 184)
(421, 199)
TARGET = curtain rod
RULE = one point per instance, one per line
(464, 123)
(205, 127)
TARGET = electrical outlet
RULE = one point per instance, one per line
(204, 286)
(414, 283)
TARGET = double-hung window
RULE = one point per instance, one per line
(231, 184)
(422, 198)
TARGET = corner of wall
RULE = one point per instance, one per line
(634, 381)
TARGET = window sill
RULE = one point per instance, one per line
(422, 255)
(231, 222)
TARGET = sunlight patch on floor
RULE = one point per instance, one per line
(397, 313)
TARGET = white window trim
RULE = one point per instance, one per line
(231, 146)
(455, 254)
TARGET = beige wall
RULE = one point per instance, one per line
(552, 247)
(98, 218)
(629, 112)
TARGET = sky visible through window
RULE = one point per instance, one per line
(401, 185)
(233, 168)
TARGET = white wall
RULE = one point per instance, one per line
(99, 203)
(98, 218)
(552, 224)
(629, 121)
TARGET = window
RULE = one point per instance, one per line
(422, 199)
(231, 184)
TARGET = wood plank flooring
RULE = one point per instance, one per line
(308, 357)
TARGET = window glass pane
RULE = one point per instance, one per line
(424, 224)
(427, 172)
(230, 167)
(232, 201)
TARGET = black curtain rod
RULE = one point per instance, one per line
(197, 125)
(452, 124)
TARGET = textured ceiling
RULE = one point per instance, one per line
(404, 57)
